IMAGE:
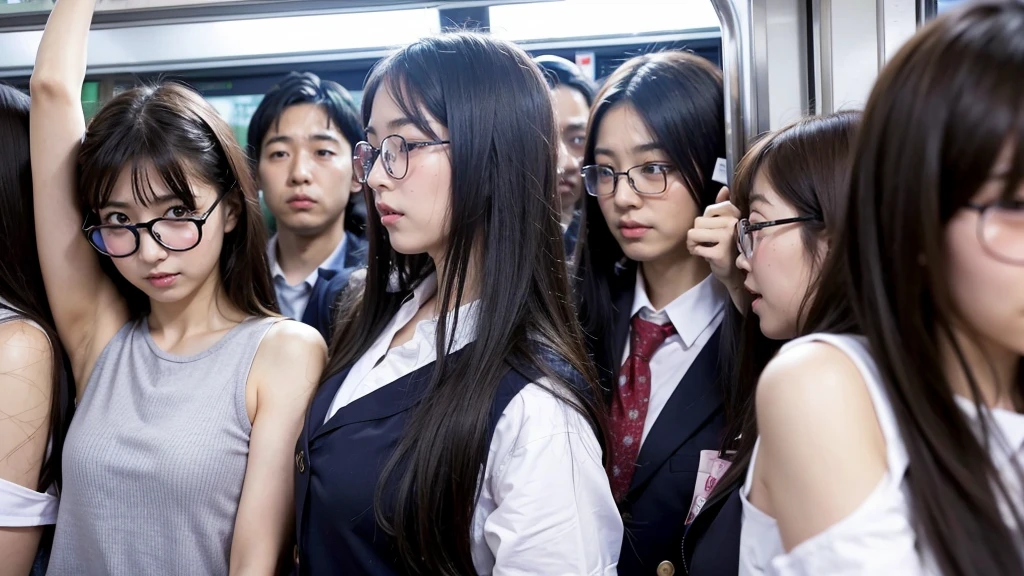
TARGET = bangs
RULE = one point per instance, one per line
(400, 74)
(140, 167)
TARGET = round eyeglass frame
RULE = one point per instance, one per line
(745, 231)
(586, 171)
(198, 221)
(362, 166)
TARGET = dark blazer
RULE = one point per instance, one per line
(338, 465)
(655, 507)
(711, 545)
(330, 283)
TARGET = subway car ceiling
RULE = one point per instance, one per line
(782, 59)
(234, 61)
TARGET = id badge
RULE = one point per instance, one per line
(709, 472)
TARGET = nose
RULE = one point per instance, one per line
(742, 263)
(378, 178)
(568, 164)
(301, 173)
(625, 197)
(150, 251)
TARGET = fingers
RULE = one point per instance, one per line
(714, 222)
(721, 209)
(709, 237)
(723, 195)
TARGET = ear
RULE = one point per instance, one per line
(232, 209)
(723, 195)
(356, 187)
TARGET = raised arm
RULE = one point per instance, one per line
(86, 306)
(285, 373)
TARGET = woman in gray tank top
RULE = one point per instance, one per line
(191, 389)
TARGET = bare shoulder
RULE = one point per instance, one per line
(291, 356)
(809, 380)
(23, 345)
(26, 371)
(822, 448)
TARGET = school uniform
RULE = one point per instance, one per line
(544, 504)
(293, 300)
(711, 543)
(682, 412)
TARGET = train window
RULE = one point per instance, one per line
(588, 19)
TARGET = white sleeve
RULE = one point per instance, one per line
(545, 507)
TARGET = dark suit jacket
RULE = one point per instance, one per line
(330, 284)
(655, 507)
(711, 545)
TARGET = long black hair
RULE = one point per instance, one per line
(504, 225)
(941, 113)
(808, 165)
(21, 281)
(681, 100)
(171, 128)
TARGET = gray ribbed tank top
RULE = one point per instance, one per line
(155, 457)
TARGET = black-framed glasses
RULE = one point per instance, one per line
(393, 152)
(1001, 229)
(174, 234)
(746, 240)
(648, 179)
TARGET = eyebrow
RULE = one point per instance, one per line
(318, 137)
(394, 125)
(582, 125)
(649, 147)
(164, 199)
(755, 197)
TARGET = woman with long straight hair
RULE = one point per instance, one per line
(899, 451)
(790, 190)
(654, 313)
(36, 398)
(191, 388)
(457, 430)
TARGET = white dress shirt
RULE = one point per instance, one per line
(695, 314)
(878, 537)
(293, 299)
(545, 504)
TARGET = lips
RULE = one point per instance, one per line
(161, 280)
(632, 230)
(388, 215)
(385, 210)
(300, 201)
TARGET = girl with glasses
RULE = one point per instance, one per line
(457, 430)
(653, 311)
(898, 451)
(36, 395)
(791, 186)
(191, 389)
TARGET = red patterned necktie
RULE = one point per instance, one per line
(632, 395)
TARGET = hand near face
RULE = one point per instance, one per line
(713, 237)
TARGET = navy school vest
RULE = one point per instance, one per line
(338, 465)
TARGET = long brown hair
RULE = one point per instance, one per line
(939, 116)
(808, 165)
(21, 281)
(496, 107)
(173, 130)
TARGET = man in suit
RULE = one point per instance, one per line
(300, 141)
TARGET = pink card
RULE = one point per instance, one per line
(709, 472)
